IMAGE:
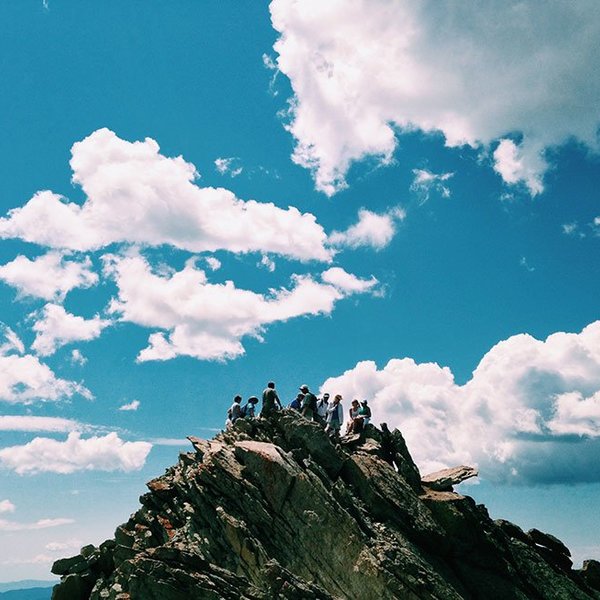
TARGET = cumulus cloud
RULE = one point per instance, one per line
(41, 524)
(24, 379)
(33, 423)
(371, 230)
(55, 327)
(520, 164)
(6, 506)
(131, 406)
(207, 320)
(50, 276)
(361, 69)
(77, 358)
(426, 182)
(530, 413)
(97, 453)
(137, 195)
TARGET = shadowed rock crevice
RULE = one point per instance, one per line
(273, 509)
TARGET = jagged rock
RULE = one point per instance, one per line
(273, 509)
(446, 478)
(548, 541)
(590, 573)
(73, 564)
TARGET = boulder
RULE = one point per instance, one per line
(446, 478)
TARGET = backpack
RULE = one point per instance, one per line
(244, 410)
(311, 402)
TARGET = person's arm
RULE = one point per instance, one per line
(277, 400)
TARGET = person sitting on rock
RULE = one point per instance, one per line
(234, 412)
(270, 401)
(309, 403)
(322, 406)
(335, 416)
(296, 403)
(363, 417)
(249, 409)
(353, 412)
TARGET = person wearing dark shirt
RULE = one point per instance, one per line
(270, 400)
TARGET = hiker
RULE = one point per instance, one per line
(322, 406)
(249, 409)
(353, 412)
(234, 412)
(363, 417)
(296, 403)
(270, 400)
(335, 416)
(309, 403)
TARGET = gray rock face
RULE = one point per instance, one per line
(446, 478)
(272, 509)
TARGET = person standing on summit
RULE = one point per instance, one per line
(309, 403)
(270, 400)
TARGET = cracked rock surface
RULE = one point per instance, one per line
(272, 509)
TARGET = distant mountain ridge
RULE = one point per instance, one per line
(272, 509)
(34, 593)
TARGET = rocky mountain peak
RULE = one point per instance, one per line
(274, 509)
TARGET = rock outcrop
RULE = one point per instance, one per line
(273, 509)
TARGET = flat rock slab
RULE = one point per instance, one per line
(444, 480)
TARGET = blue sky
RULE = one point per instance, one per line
(440, 255)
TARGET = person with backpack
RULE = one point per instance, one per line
(296, 403)
(249, 409)
(270, 399)
(335, 416)
(234, 412)
(322, 406)
(309, 403)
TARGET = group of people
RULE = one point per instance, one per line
(329, 413)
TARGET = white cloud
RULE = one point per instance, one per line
(267, 263)
(372, 230)
(361, 68)
(133, 405)
(346, 282)
(520, 164)
(136, 195)
(203, 319)
(24, 379)
(530, 413)
(71, 544)
(569, 228)
(6, 506)
(10, 342)
(77, 358)
(425, 182)
(33, 423)
(50, 276)
(41, 524)
(55, 327)
(229, 166)
(525, 264)
(214, 264)
(45, 455)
